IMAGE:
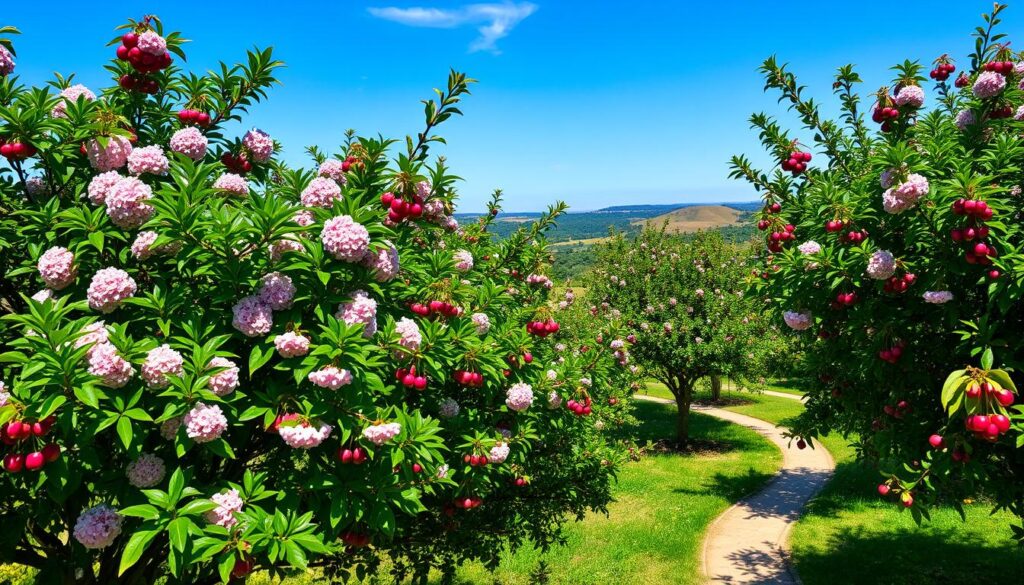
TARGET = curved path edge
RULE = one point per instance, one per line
(748, 542)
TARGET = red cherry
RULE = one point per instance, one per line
(358, 455)
(34, 460)
(387, 198)
(243, 566)
(129, 40)
(1004, 397)
(416, 468)
(883, 489)
(14, 462)
(936, 441)
(51, 452)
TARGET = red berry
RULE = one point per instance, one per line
(883, 489)
(936, 441)
(130, 40)
(34, 460)
(416, 468)
(14, 462)
(51, 452)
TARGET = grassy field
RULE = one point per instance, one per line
(697, 217)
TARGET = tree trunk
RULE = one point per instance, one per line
(716, 387)
(682, 390)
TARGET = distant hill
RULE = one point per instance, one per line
(665, 208)
(697, 217)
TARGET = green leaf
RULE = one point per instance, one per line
(178, 532)
(137, 545)
(1003, 379)
(176, 486)
(225, 565)
(96, 239)
(986, 359)
(196, 507)
(124, 430)
(87, 394)
(145, 511)
(259, 358)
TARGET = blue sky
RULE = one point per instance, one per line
(595, 103)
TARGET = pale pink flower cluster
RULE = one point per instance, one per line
(142, 247)
(434, 209)
(345, 239)
(291, 344)
(1019, 114)
(148, 159)
(205, 422)
(482, 322)
(277, 291)
(101, 184)
(4, 395)
(910, 95)
(541, 280)
(6, 62)
(109, 287)
(362, 309)
(519, 396)
(498, 453)
(554, 400)
(332, 169)
(36, 186)
(937, 297)
(259, 144)
(408, 332)
(225, 381)
(232, 183)
(964, 119)
(146, 471)
(105, 363)
(71, 95)
(881, 265)
(280, 247)
(98, 527)
(161, 362)
(463, 261)
(798, 321)
(442, 471)
(321, 192)
(382, 433)
(152, 43)
(989, 84)
(126, 203)
(809, 247)
(423, 189)
(169, 428)
(383, 263)
(304, 435)
(112, 156)
(57, 267)
(448, 408)
(905, 195)
(304, 217)
(190, 142)
(252, 316)
(330, 377)
(228, 503)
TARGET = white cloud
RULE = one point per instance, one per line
(493, 21)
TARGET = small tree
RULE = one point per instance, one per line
(684, 301)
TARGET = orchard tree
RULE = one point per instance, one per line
(213, 362)
(684, 301)
(899, 259)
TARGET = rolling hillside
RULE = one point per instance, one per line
(697, 217)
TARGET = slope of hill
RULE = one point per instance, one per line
(697, 217)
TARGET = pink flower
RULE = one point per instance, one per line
(1019, 114)
(126, 203)
(190, 142)
(798, 321)
(259, 144)
(280, 247)
(98, 527)
(108, 153)
(71, 95)
(409, 334)
(146, 471)
(277, 291)
(6, 62)
(105, 363)
(321, 192)
(554, 400)
(965, 118)
(252, 317)
(304, 217)
(205, 423)
(433, 209)
(225, 381)
(290, 344)
(937, 297)
(332, 169)
(152, 43)
(4, 395)
(345, 239)
(148, 159)
(232, 183)
(109, 287)
(463, 261)
(807, 248)
(383, 263)
(142, 247)
(362, 309)
(423, 189)
(161, 362)
(881, 265)
(498, 453)
(482, 322)
(910, 95)
(101, 184)
(539, 279)
(36, 186)
(448, 408)
(43, 295)
(382, 433)
(227, 504)
(905, 195)
(304, 435)
(989, 84)
(169, 428)
(93, 335)
(330, 377)
(519, 397)
(57, 267)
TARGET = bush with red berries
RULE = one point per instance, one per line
(908, 265)
(213, 362)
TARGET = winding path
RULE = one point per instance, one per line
(748, 542)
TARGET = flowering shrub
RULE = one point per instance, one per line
(919, 272)
(234, 364)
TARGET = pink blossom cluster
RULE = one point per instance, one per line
(146, 471)
(190, 142)
(321, 192)
(433, 210)
(333, 169)
(232, 183)
(809, 247)
(71, 95)
(482, 322)
(798, 321)
(152, 43)
(277, 291)
(259, 144)
(539, 279)
(905, 195)
(554, 400)
(409, 335)
(291, 344)
(330, 377)
(107, 364)
(345, 239)
(448, 408)
(98, 527)
(910, 95)
(4, 395)
(989, 84)
(108, 153)
(252, 316)
(281, 247)
(57, 267)
(937, 297)
(36, 186)
(383, 263)
(161, 362)
(225, 381)
(142, 247)
(6, 62)
(169, 428)
(205, 422)
(881, 265)
(304, 217)
(109, 287)
(362, 309)
(148, 159)
(304, 435)
(228, 503)
(126, 203)
(498, 453)
(379, 434)
(964, 119)
(1019, 114)
(463, 261)
(519, 396)
(100, 185)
